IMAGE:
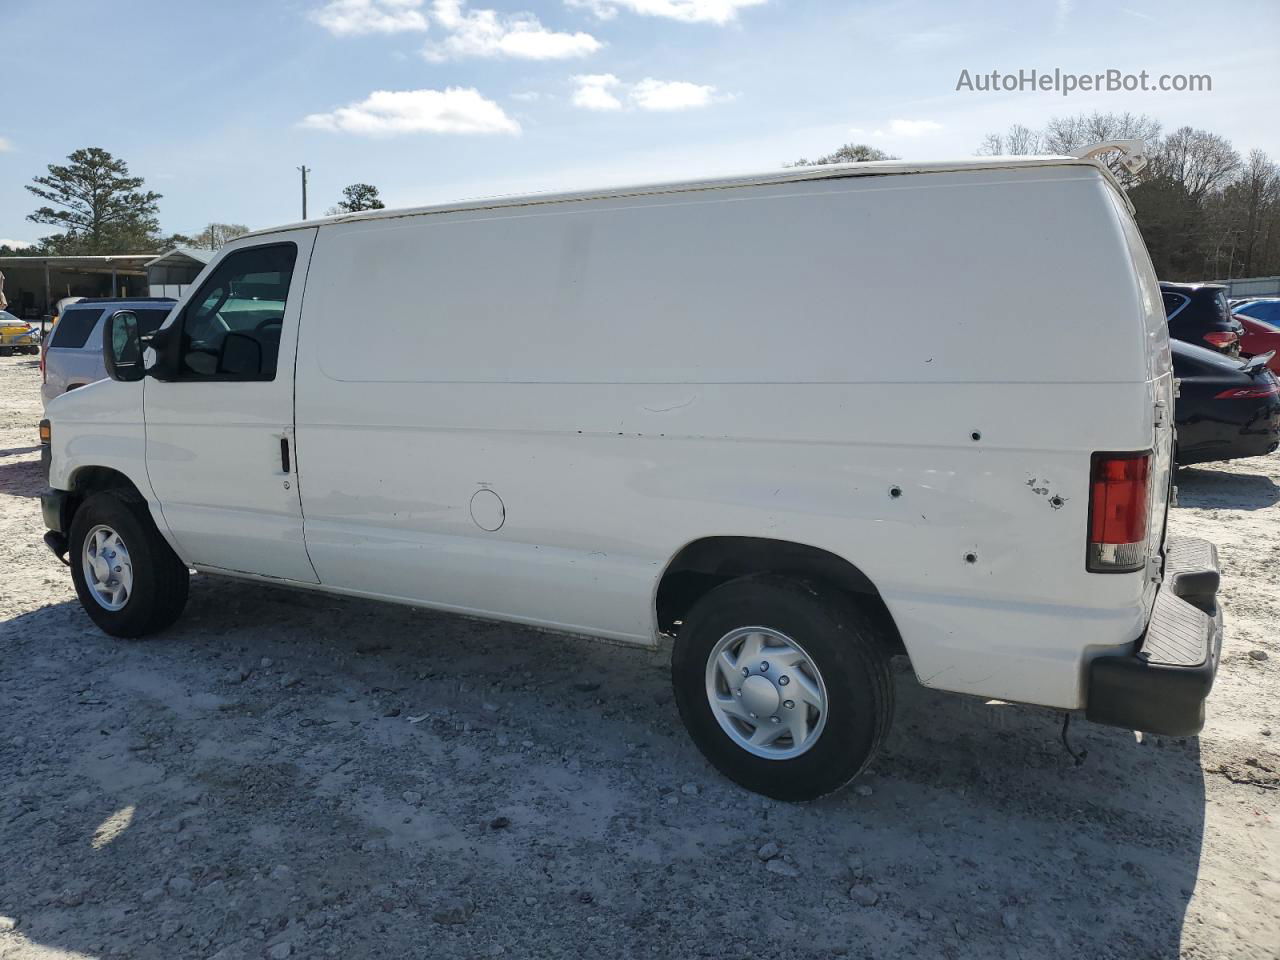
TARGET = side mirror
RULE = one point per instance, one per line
(122, 347)
(164, 344)
(240, 355)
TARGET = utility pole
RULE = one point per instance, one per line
(305, 170)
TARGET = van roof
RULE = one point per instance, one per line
(831, 171)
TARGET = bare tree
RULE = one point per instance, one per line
(1067, 134)
(217, 235)
(849, 153)
(1018, 141)
(1064, 135)
(1249, 209)
(1198, 160)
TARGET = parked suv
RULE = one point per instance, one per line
(1199, 313)
(650, 412)
(72, 356)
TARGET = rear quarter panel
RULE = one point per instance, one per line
(632, 375)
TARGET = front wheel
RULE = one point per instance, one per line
(783, 685)
(129, 580)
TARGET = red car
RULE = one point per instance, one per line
(1259, 337)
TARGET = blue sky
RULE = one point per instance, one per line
(217, 103)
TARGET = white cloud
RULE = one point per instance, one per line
(15, 244)
(650, 94)
(467, 33)
(686, 11)
(486, 33)
(349, 18)
(912, 128)
(604, 91)
(386, 112)
(592, 92)
(5, 145)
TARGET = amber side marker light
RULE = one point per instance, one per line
(46, 435)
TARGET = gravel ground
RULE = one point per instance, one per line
(290, 774)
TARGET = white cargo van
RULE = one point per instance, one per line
(694, 409)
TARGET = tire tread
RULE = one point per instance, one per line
(161, 580)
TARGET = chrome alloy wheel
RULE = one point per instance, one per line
(766, 693)
(108, 571)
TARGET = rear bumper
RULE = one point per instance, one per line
(1161, 686)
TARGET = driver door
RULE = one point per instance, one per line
(220, 451)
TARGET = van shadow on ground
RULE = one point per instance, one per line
(1210, 488)
(153, 791)
(21, 477)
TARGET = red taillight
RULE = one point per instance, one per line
(1222, 339)
(1250, 393)
(1118, 507)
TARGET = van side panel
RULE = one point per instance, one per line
(630, 375)
(797, 283)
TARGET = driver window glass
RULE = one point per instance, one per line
(231, 329)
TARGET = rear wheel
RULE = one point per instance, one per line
(783, 685)
(129, 580)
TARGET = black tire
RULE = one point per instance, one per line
(848, 651)
(160, 579)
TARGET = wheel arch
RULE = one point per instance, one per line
(85, 481)
(705, 563)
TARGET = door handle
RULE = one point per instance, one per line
(284, 454)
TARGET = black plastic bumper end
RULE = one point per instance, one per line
(1162, 685)
(52, 504)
